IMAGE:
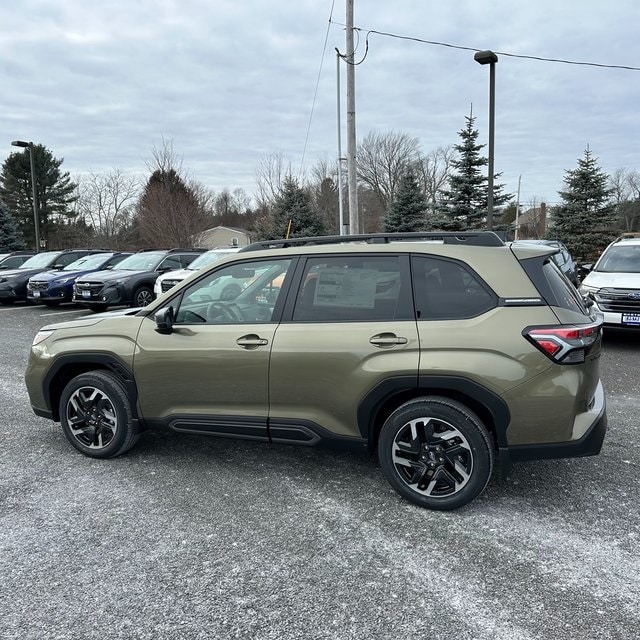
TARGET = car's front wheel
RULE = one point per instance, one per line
(96, 415)
(142, 297)
(436, 453)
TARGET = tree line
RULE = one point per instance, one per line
(400, 188)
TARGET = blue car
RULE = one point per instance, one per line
(53, 287)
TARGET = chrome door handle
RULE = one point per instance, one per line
(387, 340)
(251, 341)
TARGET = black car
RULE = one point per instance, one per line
(14, 259)
(132, 282)
(13, 283)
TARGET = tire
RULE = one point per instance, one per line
(436, 453)
(142, 296)
(96, 415)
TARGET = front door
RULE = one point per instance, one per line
(210, 374)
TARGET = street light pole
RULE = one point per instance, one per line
(490, 58)
(34, 191)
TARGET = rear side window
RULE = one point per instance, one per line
(353, 289)
(561, 292)
(446, 289)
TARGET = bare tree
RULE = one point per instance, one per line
(106, 201)
(173, 208)
(382, 159)
(270, 175)
(626, 197)
(433, 172)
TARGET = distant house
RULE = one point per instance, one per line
(220, 236)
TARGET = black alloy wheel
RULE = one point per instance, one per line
(436, 453)
(142, 297)
(96, 415)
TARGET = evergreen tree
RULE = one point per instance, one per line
(10, 238)
(465, 202)
(586, 219)
(55, 192)
(292, 215)
(408, 207)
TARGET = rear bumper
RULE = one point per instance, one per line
(589, 443)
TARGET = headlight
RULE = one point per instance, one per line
(41, 336)
(586, 289)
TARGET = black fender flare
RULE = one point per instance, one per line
(403, 388)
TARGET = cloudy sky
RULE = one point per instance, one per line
(229, 82)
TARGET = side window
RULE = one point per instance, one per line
(245, 292)
(187, 258)
(169, 263)
(68, 258)
(446, 289)
(351, 289)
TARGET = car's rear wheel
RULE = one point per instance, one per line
(96, 415)
(436, 453)
(142, 297)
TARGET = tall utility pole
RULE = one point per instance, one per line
(352, 182)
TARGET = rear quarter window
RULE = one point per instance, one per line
(447, 289)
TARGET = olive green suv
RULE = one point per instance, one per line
(448, 354)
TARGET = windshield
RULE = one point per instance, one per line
(620, 259)
(88, 262)
(41, 260)
(207, 258)
(146, 261)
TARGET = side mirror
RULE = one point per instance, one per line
(164, 320)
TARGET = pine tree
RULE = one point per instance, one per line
(585, 221)
(10, 238)
(292, 215)
(408, 207)
(55, 192)
(465, 202)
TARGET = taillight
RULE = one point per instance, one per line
(564, 344)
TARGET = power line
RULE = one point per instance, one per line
(502, 53)
(315, 93)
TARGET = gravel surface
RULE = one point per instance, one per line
(188, 537)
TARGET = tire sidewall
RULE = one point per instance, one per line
(466, 422)
(108, 385)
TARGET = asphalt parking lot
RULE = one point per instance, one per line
(188, 537)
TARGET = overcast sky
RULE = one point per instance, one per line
(230, 81)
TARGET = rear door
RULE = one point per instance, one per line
(349, 327)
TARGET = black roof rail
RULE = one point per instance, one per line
(472, 238)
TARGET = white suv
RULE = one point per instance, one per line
(169, 280)
(614, 283)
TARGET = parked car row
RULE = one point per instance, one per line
(94, 278)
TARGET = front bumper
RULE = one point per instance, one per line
(107, 295)
(7, 293)
(57, 294)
